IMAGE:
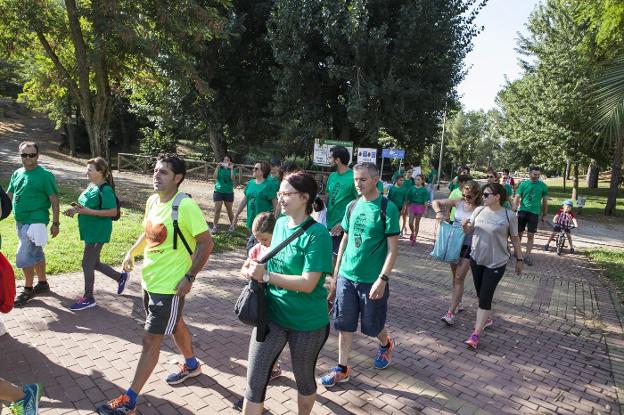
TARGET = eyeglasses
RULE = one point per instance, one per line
(491, 177)
(256, 168)
(30, 155)
(282, 194)
(487, 194)
(468, 196)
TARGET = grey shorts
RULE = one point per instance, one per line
(28, 254)
(163, 312)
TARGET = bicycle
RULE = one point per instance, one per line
(561, 238)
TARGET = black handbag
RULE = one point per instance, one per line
(250, 308)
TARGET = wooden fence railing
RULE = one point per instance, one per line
(200, 169)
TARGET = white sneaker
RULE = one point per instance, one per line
(448, 318)
(3, 329)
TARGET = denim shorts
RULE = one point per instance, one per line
(28, 254)
(352, 302)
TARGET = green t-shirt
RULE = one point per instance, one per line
(532, 194)
(224, 181)
(259, 199)
(398, 195)
(31, 194)
(454, 184)
(341, 191)
(432, 176)
(310, 252)
(367, 239)
(96, 229)
(418, 195)
(163, 266)
(455, 194)
(409, 183)
(509, 194)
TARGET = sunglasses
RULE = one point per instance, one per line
(256, 168)
(487, 194)
(491, 177)
(468, 196)
(29, 155)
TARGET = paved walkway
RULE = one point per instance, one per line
(555, 346)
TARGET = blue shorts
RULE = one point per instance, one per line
(352, 302)
(28, 254)
(223, 197)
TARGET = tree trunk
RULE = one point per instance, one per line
(575, 184)
(592, 175)
(217, 142)
(565, 176)
(568, 169)
(616, 173)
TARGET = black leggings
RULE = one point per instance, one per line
(485, 282)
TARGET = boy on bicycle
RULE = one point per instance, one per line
(562, 220)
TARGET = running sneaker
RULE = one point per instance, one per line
(232, 228)
(121, 282)
(214, 230)
(24, 297)
(384, 355)
(184, 373)
(276, 372)
(41, 288)
(238, 405)
(473, 341)
(82, 303)
(460, 307)
(449, 318)
(488, 323)
(413, 239)
(336, 375)
(546, 248)
(118, 406)
(29, 404)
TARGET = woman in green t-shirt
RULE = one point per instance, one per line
(223, 192)
(296, 297)
(96, 207)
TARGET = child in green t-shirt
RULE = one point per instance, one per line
(417, 199)
(398, 195)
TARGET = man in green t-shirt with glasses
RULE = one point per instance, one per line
(33, 191)
(169, 270)
(365, 260)
(532, 200)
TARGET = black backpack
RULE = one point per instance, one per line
(6, 204)
(117, 201)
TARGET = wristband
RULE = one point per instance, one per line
(266, 277)
(384, 277)
(56, 224)
(190, 278)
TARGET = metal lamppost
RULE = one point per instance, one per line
(441, 147)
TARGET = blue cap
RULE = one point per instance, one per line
(569, 203)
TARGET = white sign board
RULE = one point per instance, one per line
(322, 150)
(367, 155)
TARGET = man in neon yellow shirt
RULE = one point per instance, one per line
(169, 270)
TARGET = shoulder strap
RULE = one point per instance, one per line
(351, 207)
(100, 187)
(175, 212)
(384, 207)
(286, 241)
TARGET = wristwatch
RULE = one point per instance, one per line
(384, 277)
(190, 278)
(56, 224)
(266, 277)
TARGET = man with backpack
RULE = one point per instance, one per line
(32, 190)
(365, 260)
(175, 244)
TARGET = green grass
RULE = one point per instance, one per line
(595, 200)
(612, 261)
(64, 253)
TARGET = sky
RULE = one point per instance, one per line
(493, 55)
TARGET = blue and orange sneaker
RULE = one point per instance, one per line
(121, 283)
(336, 375)
(29, 404)
(384, 355)
(184, 373)
(118, 406)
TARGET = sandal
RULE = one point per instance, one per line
(24, 297)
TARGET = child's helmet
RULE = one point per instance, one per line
(569, 203)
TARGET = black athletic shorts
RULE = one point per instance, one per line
(163, 311)
(527, 220)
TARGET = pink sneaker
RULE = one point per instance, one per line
(473, 341)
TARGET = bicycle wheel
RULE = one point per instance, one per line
(560, 244)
